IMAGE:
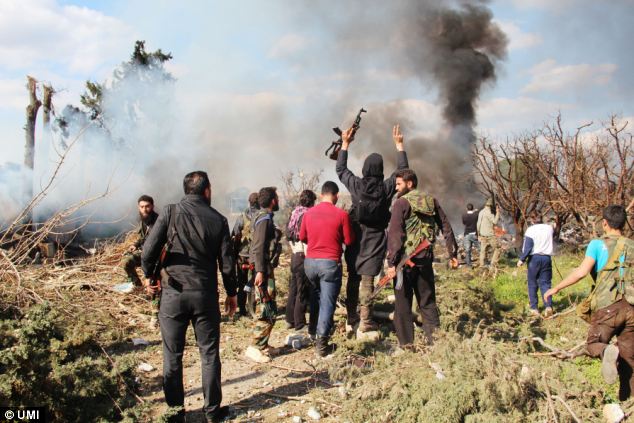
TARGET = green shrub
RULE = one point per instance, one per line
(45, 362)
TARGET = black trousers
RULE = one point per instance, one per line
(298, 293)
(178, 309)
(418, 281)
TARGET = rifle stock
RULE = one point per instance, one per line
(406, 261)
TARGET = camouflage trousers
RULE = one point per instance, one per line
(266, 311)
(359, 290)
(130, 262)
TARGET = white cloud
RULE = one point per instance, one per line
(551, 77)
(502, 116)
(519, 39)
(79, 39)
(13, 94)
(551, 5)
(287, 45)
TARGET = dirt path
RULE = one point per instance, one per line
(255, 392)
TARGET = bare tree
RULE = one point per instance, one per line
(564, 175)
(31, 116)
(293, 183)
(47, 103)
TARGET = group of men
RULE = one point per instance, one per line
(479, 230)
(192, 241)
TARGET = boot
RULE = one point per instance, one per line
(367, 324)
(322, 348)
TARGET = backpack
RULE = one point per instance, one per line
(245, 235)
(421, 223)
(616, 280)
(372, 211)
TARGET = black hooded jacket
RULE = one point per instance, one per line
(366, 254)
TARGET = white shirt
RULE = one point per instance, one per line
(542, 236)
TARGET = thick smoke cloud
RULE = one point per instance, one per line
(451, 48)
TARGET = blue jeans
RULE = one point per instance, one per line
(540, 274)
(325, 276)
(468, 242)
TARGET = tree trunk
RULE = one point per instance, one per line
(47, 97)
(31, 116)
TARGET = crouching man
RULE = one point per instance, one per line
(609, 308)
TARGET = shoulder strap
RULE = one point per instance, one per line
(267, 216)
(171, 230)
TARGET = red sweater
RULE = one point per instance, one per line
(324, 228)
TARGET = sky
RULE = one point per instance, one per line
(232, 60)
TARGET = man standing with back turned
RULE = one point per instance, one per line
(370, 214)
(198, 240)
(416, 217)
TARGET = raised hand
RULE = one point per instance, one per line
(397, 136)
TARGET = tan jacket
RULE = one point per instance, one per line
(486, 221)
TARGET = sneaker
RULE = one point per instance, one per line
(257, 355)
(608, 364)
(534, 312)
(548, 312)
(220, 414)
(368, 326)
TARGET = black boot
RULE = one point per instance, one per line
(323, 348)
(220, 415)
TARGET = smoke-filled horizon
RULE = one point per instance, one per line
(246, 135)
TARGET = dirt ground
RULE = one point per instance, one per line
(277, 391)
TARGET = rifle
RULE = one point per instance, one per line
(405, 261)
(336, 145)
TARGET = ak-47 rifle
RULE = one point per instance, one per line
(336, 145)
(405, 261)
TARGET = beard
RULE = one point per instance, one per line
(276, 207)
(143, 218)
(402, 193)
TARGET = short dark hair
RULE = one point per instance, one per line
(408, 175)
(145, 198)
(534, 217)
(253, 200)
(196, 182)
(329, 187)
(616, 216)
(307, 198)
(266, 196)
(469, 206)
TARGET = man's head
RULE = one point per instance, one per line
(253, 200)
(307, 198)
(330, 192)
(268, 199)
(614, 218)
(197, 183)
(470, 207)
(406, 181)
(146, 206)
(534, 218)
